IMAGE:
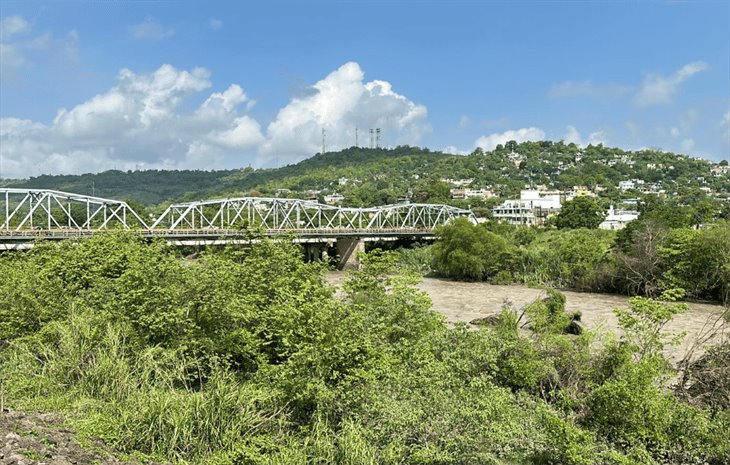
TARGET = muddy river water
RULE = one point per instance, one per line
(465, 301)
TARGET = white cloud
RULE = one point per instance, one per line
(464, 122)
(150, 29)
(687, 145)
(13, 25)
(455, 150)
(587, 89)
(10, 57)
(15, 54)
(658, 89)
(491, 141)
(141, 122)
(598, 137)
(215, 24)
(573, 136)
(340, 103)
(137, 123)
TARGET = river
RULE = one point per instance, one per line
(465, 301)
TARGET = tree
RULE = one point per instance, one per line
(581, 212)
(467, 251)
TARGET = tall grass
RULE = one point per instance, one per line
(138, 399)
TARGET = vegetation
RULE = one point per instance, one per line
(249, 357)
(647, 258)
(367, 177)
(581, 212)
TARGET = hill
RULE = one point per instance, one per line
(380, 176)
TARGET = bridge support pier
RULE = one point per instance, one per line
(347, 249)
(314, 252)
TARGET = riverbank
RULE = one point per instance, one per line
(465, 301)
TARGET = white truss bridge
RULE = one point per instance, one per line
(28, 214)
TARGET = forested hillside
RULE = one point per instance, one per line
(380, 176)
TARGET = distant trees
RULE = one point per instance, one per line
(581, 212)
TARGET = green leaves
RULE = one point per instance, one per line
(249, 356)
(469, 252)
(644, 320)
(581, 212)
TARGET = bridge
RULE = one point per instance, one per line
(30, 214)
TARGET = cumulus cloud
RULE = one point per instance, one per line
(455, 150)
(572, 135)
(137, 123)
(491, 141)
(340, 103)
(141, 123)
(13, 25)
(587, 89)
(656, 89)
(149, 29)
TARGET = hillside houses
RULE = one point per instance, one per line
(531, 209)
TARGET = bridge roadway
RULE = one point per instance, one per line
(30, 214)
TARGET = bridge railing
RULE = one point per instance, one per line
(50, 213)
(40, 209)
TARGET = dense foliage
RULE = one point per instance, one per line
(249, 357)
(369, 177)
(646, 258)
(581, 212)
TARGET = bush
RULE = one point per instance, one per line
(469, 252)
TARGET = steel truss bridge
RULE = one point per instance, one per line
(29, 214)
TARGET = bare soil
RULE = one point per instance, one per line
(45, 439)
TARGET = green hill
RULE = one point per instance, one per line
(380, 176)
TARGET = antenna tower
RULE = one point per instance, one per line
(356, 138)
(323, 135)
(372, 143)
(377, 138)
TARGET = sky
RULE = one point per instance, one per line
(87, 86)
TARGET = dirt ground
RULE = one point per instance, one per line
(44, 439)
(466, 301)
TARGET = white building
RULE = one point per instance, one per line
(333, 198)
(532, 208)
(618, 219)
(471, 193)
(626, 185)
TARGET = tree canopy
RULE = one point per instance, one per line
(581, 212)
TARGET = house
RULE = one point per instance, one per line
(531, 209)
(618, 219)
(333, 198)
(626, 185)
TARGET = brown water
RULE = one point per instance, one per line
(465, 301)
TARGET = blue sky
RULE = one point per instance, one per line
(88, 86)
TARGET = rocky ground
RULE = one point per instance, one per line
(44, 439)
